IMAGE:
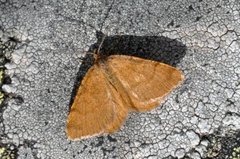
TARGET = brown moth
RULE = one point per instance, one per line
(114, 86)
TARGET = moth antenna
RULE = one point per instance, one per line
(98, 51)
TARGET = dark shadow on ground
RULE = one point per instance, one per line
(157, 48)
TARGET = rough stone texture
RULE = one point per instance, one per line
(50, 38)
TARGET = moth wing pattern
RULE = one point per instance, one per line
(147, 82)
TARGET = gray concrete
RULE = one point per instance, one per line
(52, 36)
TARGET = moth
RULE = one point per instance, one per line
(114, 86)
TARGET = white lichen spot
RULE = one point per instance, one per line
(17, 55)
(204, 126)
(228, 38)
(33, 68)
(193, 138)
(194, 155)
(232, 120)
(217, 29)
(10, 66)
(179, 153)
(234, 46)
(8, 88)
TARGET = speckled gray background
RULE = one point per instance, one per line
(50, 38)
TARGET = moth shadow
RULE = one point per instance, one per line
(156, 48)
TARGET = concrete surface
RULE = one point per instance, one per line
(41, 46)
